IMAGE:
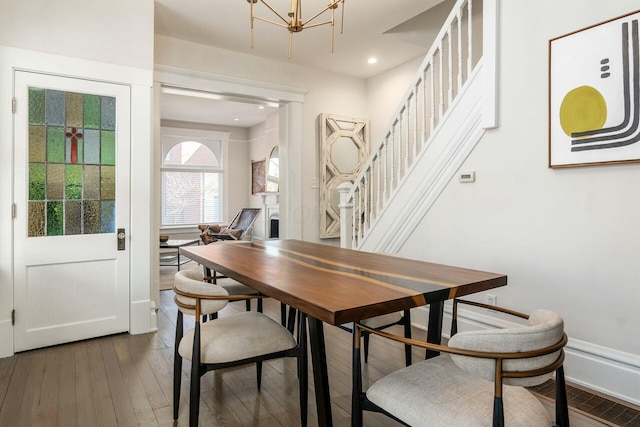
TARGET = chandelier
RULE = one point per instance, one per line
(295, 23)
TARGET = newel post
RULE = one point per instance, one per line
(346, 215)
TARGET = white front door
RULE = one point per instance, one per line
(71, 194)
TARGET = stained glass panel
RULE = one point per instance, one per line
(72, 156)
(36, 106)
(55, 144)
(36, 219)
(37, 144)
(91, 216)
(36, 181)
(73, 181)
(55, 181)
(108, 147)
(73, 217)
(55, 223)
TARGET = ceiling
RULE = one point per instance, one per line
(393, 31)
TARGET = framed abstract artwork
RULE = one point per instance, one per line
(594, 94)
(258, 178)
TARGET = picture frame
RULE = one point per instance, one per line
(594, 94)
(258, 177)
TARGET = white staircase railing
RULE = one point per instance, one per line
(440, 79)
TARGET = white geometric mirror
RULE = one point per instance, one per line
(344, 147)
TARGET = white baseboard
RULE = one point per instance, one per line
(601, 369)
(143, 317)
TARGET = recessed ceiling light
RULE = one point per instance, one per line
(372, 60)
(260, 107)
(236, 120)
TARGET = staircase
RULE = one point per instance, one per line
(444, 113)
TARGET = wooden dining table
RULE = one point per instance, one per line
(337, 286)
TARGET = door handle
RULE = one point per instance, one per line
(121, 239)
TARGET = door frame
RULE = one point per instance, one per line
(290, 128)
(141, 308)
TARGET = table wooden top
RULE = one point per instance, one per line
(338, 285)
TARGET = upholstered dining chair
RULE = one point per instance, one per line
(479, 378)
(239, 339)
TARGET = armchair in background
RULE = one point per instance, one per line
(237, 229)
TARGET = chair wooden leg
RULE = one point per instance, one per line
(407, 334)
(562, 406)
(177, 367)
(194, 394)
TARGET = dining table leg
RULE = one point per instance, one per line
(320, 375)
(434, 329)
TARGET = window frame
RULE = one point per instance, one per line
(216, 141)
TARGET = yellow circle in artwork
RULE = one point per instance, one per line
(582, 109)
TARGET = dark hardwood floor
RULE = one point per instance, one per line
(126, 380)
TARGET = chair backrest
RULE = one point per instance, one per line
(192, 281)
(544, 329)
(244, 219)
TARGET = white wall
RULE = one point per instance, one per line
(384, 93)
(325, 93)
(116, 31)
(567, 239)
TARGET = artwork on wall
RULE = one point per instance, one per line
(344, 148)
(258, 178)
(594, 94)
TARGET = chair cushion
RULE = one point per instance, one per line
(237, 337)
(234, 287)
(544, 329)
(191, 281)
(383, 320)
(436, 392)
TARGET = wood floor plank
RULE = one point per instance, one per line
(67, 408)
(122, 405)
(86, 409)
(7, 366)
(47, 405)
(105, 413)
(143, 355)
(141, 405)
(13, 402)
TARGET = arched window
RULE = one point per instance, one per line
(192, 177)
